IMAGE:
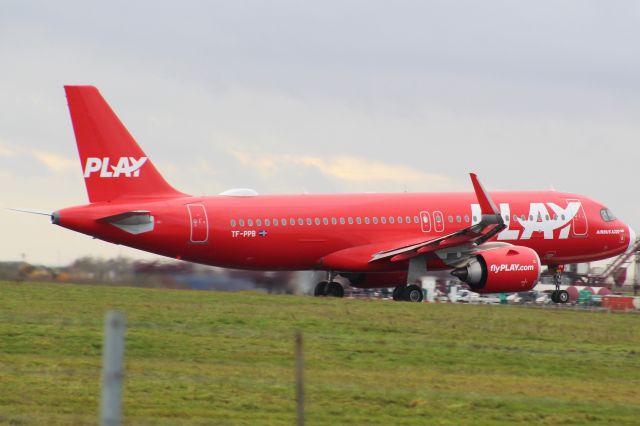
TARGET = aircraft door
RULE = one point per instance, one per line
(425, 221)
(438, 220)
(199, 224)
(579, 223)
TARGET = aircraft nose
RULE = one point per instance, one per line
(632, 239)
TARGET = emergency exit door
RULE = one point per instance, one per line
(438, 221)
(430, 221)
(425, 221)
(198, 223)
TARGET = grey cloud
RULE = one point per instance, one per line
(526, 94)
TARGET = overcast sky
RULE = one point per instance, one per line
(330, 96)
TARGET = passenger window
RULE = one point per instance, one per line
(275, 222)
(334, 221)
(258, 222)
(300, 221)
(350, 220)
(325, 221)
(267, 222)
(284, 222)
(391, 220)
(309, 222)
(366, 220)
(400, 219)
(317, 221)
(466, 218)
(241, 222)
(458, 219)
(416, 220)
(450, 219)
(375, 220)
(292, 221)
(342, 221)
(233, 223)
(475, 218)
(408, 219)
(383, 220)
(359, 220)
(249, 222)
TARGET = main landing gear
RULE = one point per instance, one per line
(558, 296)
(329, 288)
(411, 292)
(408, 293)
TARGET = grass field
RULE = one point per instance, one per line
(227, 358)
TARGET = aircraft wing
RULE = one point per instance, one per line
(372, 255)
(490, 224)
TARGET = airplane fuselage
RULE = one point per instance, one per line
(301, 232)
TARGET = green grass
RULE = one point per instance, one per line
(227, 358)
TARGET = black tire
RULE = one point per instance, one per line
(563, 296)
(321, 289)
(554, 296)
(413, 293)
(335, 289)
(398, 292)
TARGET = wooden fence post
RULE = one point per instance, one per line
(299, 379)
(112, 369)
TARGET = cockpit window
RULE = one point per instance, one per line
(607, 216)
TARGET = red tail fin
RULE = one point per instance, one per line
(113, 164)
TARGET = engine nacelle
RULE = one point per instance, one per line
(502, 270)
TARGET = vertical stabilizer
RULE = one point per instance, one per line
(113, 165)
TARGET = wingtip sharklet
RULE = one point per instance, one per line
(487, 206)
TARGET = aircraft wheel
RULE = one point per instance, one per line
(413, 293)
(563, 296)
(335, 289)
(398, 292)
(321, 289)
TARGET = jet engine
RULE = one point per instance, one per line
(501, 270)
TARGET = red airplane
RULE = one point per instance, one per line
(494, 242)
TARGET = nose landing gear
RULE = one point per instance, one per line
(558, 296)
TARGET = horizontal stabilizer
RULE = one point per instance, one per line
(134, 222)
